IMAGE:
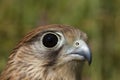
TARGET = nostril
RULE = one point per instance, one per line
(77, 43)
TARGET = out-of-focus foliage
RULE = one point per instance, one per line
(99, 18)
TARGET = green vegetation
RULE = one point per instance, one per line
(100, 19)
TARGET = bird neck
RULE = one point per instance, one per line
(70, 71)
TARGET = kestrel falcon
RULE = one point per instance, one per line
(51, 52)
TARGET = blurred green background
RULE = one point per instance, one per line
(100, 19)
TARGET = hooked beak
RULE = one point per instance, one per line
(83, 50)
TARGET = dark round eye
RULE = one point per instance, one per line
(50, 40)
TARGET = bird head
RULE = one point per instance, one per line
(57, 45)
(51, 47)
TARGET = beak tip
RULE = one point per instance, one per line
(88, 57)
(89, 62)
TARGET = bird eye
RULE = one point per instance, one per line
(50, 40)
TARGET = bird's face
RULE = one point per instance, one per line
(52, 52)
(57, 45)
